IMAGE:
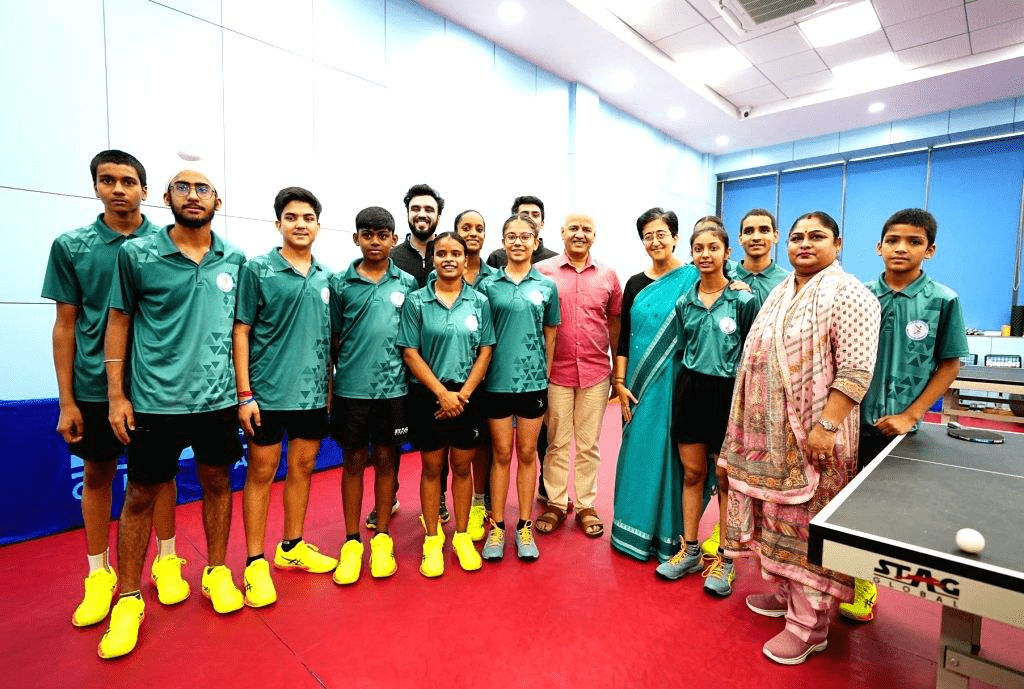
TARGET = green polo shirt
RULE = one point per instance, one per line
(365, 317)
(182, 313)
(448, 339)
(290, 331)
(761, 283)
(520, 312)
(485, 271)
(921, 326)
(711, 340)
(79, 272)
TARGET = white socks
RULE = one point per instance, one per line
(165, 547)
(99, 561)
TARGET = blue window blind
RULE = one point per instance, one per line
(817, 189)
(741, 195)
(976, 195)
(875, 189)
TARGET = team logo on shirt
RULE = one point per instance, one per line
(536, 297)
(472, 323)
(225, 282)
(325, 295)
(397, 298)
(727, 325)
(917, 330)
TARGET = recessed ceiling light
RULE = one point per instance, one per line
(621, 80)
(713, 66)
(676, 113)
(844, 24)
(722, 140)
(510, 12)
(868, 71)
(876, 107)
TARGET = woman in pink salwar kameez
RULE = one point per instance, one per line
(791, 443)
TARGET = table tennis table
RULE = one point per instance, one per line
(981, 378)
(895, 524)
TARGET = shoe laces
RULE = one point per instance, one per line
(682, 554)
(715, 569)
(496, 536)
(526, 535)
(862, 593)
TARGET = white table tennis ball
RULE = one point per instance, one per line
(970, 541)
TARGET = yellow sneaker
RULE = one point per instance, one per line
(99, 594)
(382, 556)
(123, 633)
(440, 529)
(170, 587)
(862, 609)
(259, 587)
(221, 590)
(350, 562)
(469, 559)
(477, 517)
(304, 556)
(432, 564)
(711, 544)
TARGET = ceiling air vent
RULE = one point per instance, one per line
(745, 16)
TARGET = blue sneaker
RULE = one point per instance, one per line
(494, 548)
(718, 576)
(688, 559)
(526, 547)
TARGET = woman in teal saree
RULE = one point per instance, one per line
(648, 476)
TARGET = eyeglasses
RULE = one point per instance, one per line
(660, 236)
(524, 238)
(183, 189)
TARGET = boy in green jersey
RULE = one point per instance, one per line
(921, 340)
(78, 278)
(281, 347)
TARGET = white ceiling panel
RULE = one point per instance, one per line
(699, 38)
(808, 83)
(741, 81)
(659, 20)
(797, 65)
(896, 11)
(983, 13)
(998, 36)
(859, 48)
(782, 43)
(934, 27)
(935, 52)
(762, 95)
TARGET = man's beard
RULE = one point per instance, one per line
(423, 235)
(189, 222)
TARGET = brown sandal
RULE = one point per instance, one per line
(550, 521)
(589, 522)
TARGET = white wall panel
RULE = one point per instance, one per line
(286, 25)
(349, 35)
(26, 367)
(204, 9)
(166, 91)
(54, 93)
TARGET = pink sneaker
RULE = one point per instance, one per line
(767, 604)
(786, 649)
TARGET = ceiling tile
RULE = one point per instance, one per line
(659, 20)
(856, 49)
(895, 11)
(998, 36)
(699, 38)
(762, 95)
(774, 45)
(704, 7)
(797, 65)
(933, 53)
(808, 83)
(983, 13)
(934, 27)
(741, 81)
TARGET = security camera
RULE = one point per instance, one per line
(745, 111)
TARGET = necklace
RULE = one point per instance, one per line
(714, 292)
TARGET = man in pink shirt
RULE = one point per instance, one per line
(590, 299)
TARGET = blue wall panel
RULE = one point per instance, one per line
(875, 189)
(976, 195)
(740, 196)
(817, 189)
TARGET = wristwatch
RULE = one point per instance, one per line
(828, 425)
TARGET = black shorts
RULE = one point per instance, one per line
(358, 423)
(462, 432)
(700, 409)
(526, 405)
(158, 440)
(307, 424)
(872, 441)
(98, 443)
